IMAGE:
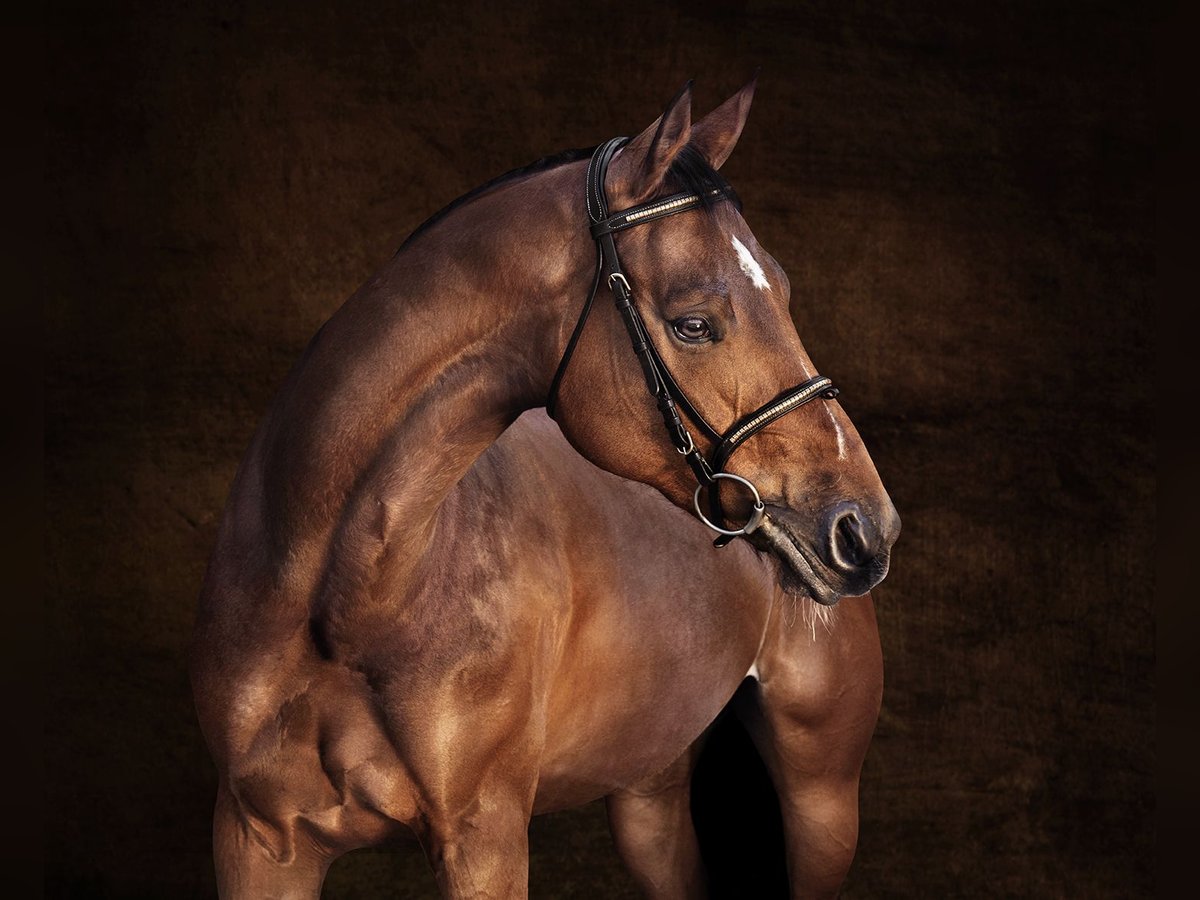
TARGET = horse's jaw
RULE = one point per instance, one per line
(802, 571)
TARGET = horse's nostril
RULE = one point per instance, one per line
(850, 542)
(851, 545)
(853, 541)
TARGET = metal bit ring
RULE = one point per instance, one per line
(756, 514)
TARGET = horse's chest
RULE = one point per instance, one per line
(625, 709)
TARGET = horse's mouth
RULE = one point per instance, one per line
(802, 572)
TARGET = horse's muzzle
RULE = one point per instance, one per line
(846, 555)
(856, 545)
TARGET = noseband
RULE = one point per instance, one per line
(662, 386)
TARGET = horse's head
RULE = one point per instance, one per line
(715, 306)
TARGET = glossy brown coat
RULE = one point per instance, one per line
(404, 631)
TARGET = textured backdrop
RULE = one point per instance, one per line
(963, 203)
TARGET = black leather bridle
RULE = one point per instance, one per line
(661, 384)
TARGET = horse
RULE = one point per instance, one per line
(420, 621)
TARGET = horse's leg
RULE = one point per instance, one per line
(811, 717)
(651, 824)
(475, 786)
(483, 851)
(251, 864)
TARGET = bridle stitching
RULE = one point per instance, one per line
(783, 406)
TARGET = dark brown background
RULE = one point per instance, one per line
(963, 203)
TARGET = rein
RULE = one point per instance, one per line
(662, 386)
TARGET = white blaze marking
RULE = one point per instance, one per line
(753, 673)
(750, 266)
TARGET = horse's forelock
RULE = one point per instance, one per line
(692, 173)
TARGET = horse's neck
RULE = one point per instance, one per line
(418, 374)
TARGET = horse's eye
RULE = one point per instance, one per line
(693, 329)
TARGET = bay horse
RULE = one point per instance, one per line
(411, 625)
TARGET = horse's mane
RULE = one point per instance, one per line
(690, 172)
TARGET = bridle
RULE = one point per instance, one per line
(662, 386)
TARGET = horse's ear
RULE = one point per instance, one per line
(717, 133)
(639, 169)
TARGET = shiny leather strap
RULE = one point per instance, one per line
(789, 401)
(749, 425)
(649, 212)
(669, 397)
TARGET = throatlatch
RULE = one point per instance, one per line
(666, 392)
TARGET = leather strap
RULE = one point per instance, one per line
(749, 425)
(789, 401)
(552, 397)
(669, 397)
(649, 212)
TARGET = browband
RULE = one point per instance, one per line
(667, 393)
